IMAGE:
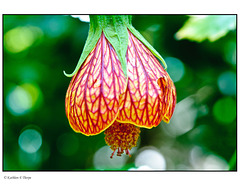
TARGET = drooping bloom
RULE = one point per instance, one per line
(118, 85)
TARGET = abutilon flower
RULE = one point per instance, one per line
(118, 85)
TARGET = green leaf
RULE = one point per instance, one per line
(211, 27)
(117, 34)
(92, 39)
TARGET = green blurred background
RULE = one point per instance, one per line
(200, 52)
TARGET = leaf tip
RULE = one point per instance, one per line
(67, 75)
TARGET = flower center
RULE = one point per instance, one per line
(121, 137)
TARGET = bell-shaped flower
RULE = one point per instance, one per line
(118, 85)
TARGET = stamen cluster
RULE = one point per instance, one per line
(122, 136)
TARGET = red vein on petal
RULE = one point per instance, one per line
(146, 74)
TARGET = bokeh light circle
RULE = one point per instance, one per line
(102, 160)
(21, 38)
(175, 68)
(18, 101)
(30, 140)
(83, 18)
(224, 110)
(151, 158)
(227, 83)
(23, 98)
